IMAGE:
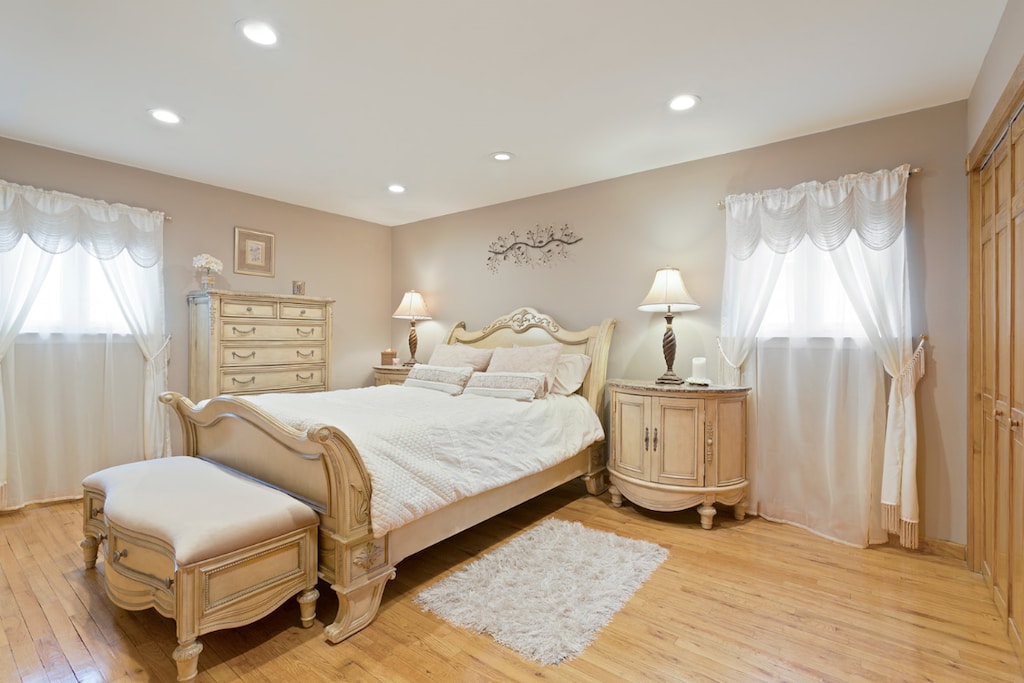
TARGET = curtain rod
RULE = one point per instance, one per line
(721, 202)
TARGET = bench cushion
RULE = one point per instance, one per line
(196, 507)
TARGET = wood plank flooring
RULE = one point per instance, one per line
(746, 601)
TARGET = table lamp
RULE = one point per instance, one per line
(668, 294)
(412, 309)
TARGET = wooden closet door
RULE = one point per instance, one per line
(1016, 165)
(987, 375)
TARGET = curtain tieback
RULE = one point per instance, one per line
(718, 340)
(163, 347)
(911, 372)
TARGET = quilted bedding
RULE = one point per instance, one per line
(425, 449)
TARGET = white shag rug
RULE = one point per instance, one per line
(547, 592)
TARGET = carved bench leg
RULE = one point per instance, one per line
(307, 606)
(358, 607)
(90, 549)
(186, 655)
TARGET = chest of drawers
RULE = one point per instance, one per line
(244, 343)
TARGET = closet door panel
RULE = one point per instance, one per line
(1016, 608)
(1003, 337)
(987, 375)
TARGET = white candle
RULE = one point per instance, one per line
(700, 367)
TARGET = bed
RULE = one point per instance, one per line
(323, 467)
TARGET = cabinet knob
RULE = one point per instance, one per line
(118, 554)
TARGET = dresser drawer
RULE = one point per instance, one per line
(231, 330)
(256, 354)
(297, 311)
(256, 380)
(248, 308)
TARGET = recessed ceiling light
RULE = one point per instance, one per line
(165, 116)
(258, 32)
(397, 189)
(683, 102)
(502, 156)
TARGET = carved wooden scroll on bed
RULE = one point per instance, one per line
(323, 468)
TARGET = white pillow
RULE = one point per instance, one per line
(438, 378)
(570, 371)
(460, 355)
(521, 386)
(541, 358)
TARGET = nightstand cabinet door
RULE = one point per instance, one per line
(677, 435)
(630, 417)
(727, 464)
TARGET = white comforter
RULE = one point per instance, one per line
(425, 449)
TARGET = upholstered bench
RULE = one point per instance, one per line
(204, 546)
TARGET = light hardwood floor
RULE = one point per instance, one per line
(746, 601)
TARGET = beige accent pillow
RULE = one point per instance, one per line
(570, 371)
(438, 378)
(460, 355)
(541, 358)
(521, 386)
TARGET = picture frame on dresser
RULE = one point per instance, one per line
(254, 252)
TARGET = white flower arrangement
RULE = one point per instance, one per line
(207, 263)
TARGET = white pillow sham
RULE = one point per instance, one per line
(521, 386)
(450, 380)
(570, 371)
(541, 358)
(460, 355)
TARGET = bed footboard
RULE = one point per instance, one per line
(320, 467)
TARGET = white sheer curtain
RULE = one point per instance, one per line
(859, 220)
(35, 225)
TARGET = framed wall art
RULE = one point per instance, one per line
(254, 252)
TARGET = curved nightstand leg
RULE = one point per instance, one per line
(707, 514)
(740, 510)
(616, 496)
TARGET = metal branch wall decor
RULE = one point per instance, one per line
(539, 246)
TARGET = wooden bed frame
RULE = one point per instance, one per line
(323, 468)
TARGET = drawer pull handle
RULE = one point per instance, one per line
(97, 511)
(1014, 423)
(251, 330)
(169, 581)
(303, 378)
(304, 334)
(248, 309)
(118, 554)
(300, 354)
(251, 380)
(302, 312)
(246, 357)
(647, 438)
(655, 439)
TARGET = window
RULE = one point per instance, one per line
(76, 299)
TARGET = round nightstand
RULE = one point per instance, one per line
(390, 374)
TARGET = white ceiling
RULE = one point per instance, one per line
(360, 94)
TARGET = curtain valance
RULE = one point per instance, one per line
(57, 221)
(873, 204)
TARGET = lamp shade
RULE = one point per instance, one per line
(668, 293)
(412, 307)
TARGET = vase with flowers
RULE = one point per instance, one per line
(207, 265)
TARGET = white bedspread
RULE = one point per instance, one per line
(425, 449)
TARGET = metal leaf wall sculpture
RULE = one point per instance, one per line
(538, 246)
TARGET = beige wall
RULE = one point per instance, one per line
(343, 258)
(632, 225)
(1003, 57)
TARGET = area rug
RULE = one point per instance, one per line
(547, 592)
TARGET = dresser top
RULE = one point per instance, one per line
(684, 388)
(205, 294)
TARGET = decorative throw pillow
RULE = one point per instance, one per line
(460, 355)
(541, 358)
(570, 371)
(438, 378)
(521, 386)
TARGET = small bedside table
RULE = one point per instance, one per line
(389, 374)
(678, 446)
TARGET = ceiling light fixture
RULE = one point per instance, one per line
(397, 189)
(502, 156)
(683, 102)
(165, 116)
(258, 32)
